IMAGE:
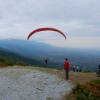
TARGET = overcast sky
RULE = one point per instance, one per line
(78, 19)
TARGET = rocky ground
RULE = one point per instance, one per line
(19, 83)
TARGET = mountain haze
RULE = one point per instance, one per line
(88, 58)
(25, 47)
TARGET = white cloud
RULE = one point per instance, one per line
(76, 42)
(76, 18)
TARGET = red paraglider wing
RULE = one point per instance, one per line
(45, 29)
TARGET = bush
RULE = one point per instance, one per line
(89, 91)
(86, 71)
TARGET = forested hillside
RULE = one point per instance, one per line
(10, 58)
(5, 61)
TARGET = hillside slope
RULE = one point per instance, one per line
(15, 56)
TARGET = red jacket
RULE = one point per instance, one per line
(67, 65)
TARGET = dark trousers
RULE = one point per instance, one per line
(98, 72)
(67, 74)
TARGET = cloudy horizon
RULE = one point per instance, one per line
(78, 19)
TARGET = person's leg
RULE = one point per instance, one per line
(99, 73)
(67, 74)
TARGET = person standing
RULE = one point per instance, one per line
(74, 69)
(46, 60)
(77, 68)
(67, 67)
(80, 68)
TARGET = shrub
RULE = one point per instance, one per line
(86, 71)
(89, 91)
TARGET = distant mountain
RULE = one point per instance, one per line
(26, 47)
(88, 58)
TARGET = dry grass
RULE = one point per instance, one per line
(74, 77)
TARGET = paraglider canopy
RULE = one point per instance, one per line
(45, 29)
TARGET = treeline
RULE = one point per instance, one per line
(4, 61)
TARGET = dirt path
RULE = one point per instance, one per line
(31, 84)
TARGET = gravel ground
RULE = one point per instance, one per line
(30, 84)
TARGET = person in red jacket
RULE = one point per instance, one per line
(67, 67)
